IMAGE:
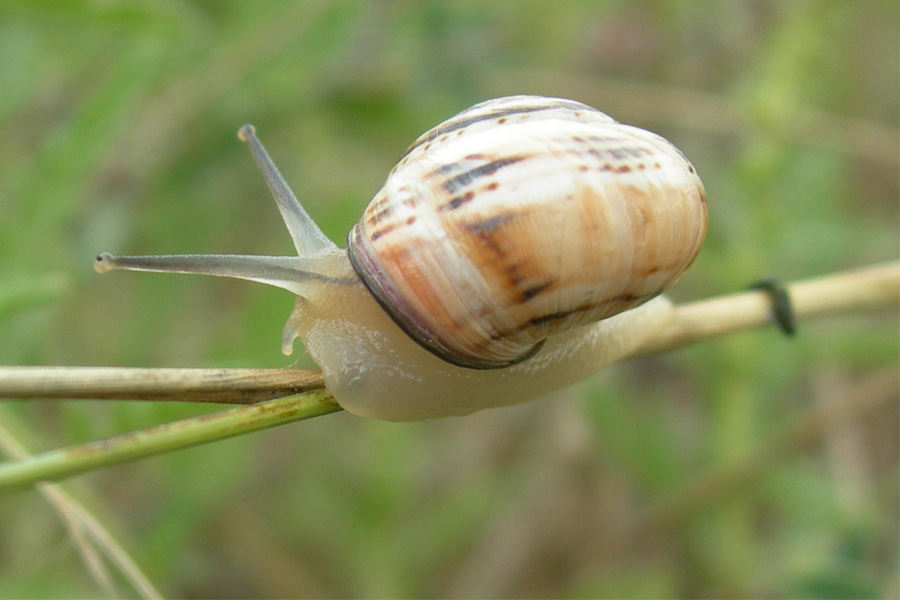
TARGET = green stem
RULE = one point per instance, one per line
(64, 462)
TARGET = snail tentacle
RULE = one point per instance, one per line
(290, 273)
(308, 237)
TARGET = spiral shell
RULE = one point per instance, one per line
(522, 217)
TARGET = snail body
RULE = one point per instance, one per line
(516, 248)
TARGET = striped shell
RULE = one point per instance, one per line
(522, 217)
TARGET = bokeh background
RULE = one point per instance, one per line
(705, 472)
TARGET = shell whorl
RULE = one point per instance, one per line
(522, 217)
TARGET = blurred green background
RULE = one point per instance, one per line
(696, 474)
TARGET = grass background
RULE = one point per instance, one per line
(117, 132)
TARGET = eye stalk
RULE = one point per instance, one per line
(308, 237)
(292, 273)
(105, 262)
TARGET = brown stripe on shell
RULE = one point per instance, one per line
(383, 231)
(457, 201)
(379, 203)
(390, 227)
(488, 225)
(626, 299)
(381, 215)
(455, 167)
(629, 299)
(457, 182)
(535, 290)
(484, 232)
(625, 152)
(490, 232)
(461, 122)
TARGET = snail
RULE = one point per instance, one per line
(515, 249)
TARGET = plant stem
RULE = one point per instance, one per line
(866, 289)
(64, 462)
(224, 386)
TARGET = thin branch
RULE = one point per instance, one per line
(223, 386)
(872, 288)
(57, 464)
(867, 289)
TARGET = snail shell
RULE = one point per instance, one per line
(522, 217)
(515, 249)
